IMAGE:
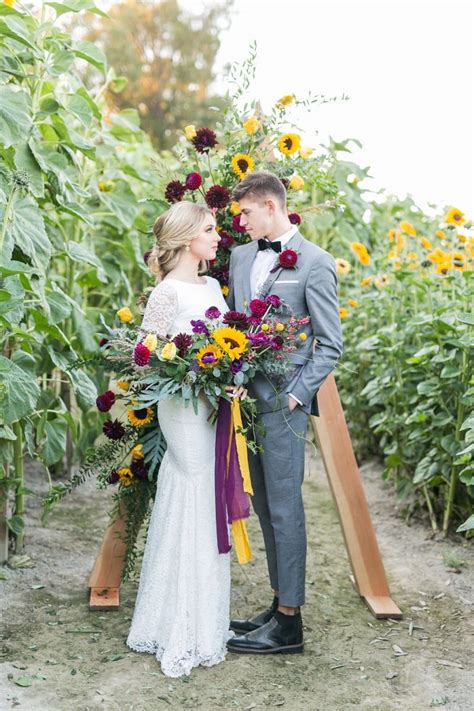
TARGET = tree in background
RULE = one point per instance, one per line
(167, 55)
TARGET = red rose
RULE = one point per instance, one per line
(258, 307)
(288, 259)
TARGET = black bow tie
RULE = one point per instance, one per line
(266, 244)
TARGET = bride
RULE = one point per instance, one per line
(182, 608)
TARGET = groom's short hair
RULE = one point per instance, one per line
(261, 184)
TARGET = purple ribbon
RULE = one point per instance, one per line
(232, 503)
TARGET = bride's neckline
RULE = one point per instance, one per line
(191, 283)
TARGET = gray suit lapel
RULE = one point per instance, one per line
(247, 259)
(293, 243)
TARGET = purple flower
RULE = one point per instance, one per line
(113, 477)
(258, 339)
(209, 358)
(273, 300)
(236, 365)
(183, 342)
(212, 312)
(105, 401)
(139, 469)
(113, 429)
(254, 321)
(277, 343)
(237, 319)
(199, 327)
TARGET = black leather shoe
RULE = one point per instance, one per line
(254, 623)
(278, 636)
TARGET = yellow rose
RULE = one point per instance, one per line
(151, 342)
(234, 208)
(305, 152)
(137, 452)
(251, 125)
(123, 385)
(296, 183)
(302, 336)
(280, 327)
(169, 351)
(190, 132)
(125, 315)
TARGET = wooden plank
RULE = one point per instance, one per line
(335, 445)
(108, 567)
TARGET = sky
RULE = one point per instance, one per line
(407, 66)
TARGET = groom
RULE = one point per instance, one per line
(258, 270)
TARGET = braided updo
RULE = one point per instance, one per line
(173, 230)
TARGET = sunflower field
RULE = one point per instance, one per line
(80, 188)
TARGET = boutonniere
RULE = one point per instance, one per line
(286, 260)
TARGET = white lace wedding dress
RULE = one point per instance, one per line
(182, 607)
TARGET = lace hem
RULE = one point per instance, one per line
(183, 665)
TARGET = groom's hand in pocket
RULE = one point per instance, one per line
(292, 403)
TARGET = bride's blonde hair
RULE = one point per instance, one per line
(174, 229)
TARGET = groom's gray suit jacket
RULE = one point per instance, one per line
(309, 290)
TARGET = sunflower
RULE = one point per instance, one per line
(440, 233)
(231, 340)
(242, 164)
(342, 266)
(286, 100)
(123, 385)
(289, 143)
(343, 313)
(125, 475)
(393, 235)
(296, 183)
(366, 281)
(140, 416)
(426, 243)
(209, 356)
(437, 256)
(408, 228)
(381, 281)
(454, 216)
(137, 452)
(412, 256)
(353, 302)
(251, 125)
(458, 261)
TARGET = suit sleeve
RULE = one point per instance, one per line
(323, 308)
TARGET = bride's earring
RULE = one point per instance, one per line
(187, 248)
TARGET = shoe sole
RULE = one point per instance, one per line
(292, 649)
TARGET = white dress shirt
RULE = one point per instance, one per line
(265, 259)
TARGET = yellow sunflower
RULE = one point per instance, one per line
(242, 164)
(209, 356)
(393, 235)
(454, 216)
(426, 243)
(458, 261)
(342, 266)
(251, 125)
(125, 476)
(231, 341)
(296, 183)
(343, 313)
(137, 452)
(381, 281)
(408, 228)
(286, 100)
(289, 143)
(353, 302)
(440, 233)
(140, 416)
(123, 385)
(366, 281)
(437, 256)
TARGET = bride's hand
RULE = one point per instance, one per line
(237, 391)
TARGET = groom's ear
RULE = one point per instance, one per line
(272, 205)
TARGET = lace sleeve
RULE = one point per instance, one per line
(160, 311)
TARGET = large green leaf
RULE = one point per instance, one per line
(15, 119)
(84, 389)
(92, 54)
(79, 107)
(55, 440)
(18, 392)
(26, 231)
(16, 29)
(79, 252)
(25, 160)
(75, 6)
(122, 202)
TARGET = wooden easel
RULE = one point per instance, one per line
(368, 574)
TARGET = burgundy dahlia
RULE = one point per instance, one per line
(113, 429)
(212, 312)
(199, 327)
(146, 256)
(236, 225)
(141, 354)
(294, 218)
(221, 274)
(217, 196)
(175, 191)
(274, 301)
(139, 469)
(204, 140)
(193, 181)
(105, 401)
(183, 342)
(277, 343)
(103, 342)
(288, 259)
(254, 321)
(226, 240)
(113, 477)
(258, 307)
(237, 319)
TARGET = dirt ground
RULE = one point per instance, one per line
(72, 658)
